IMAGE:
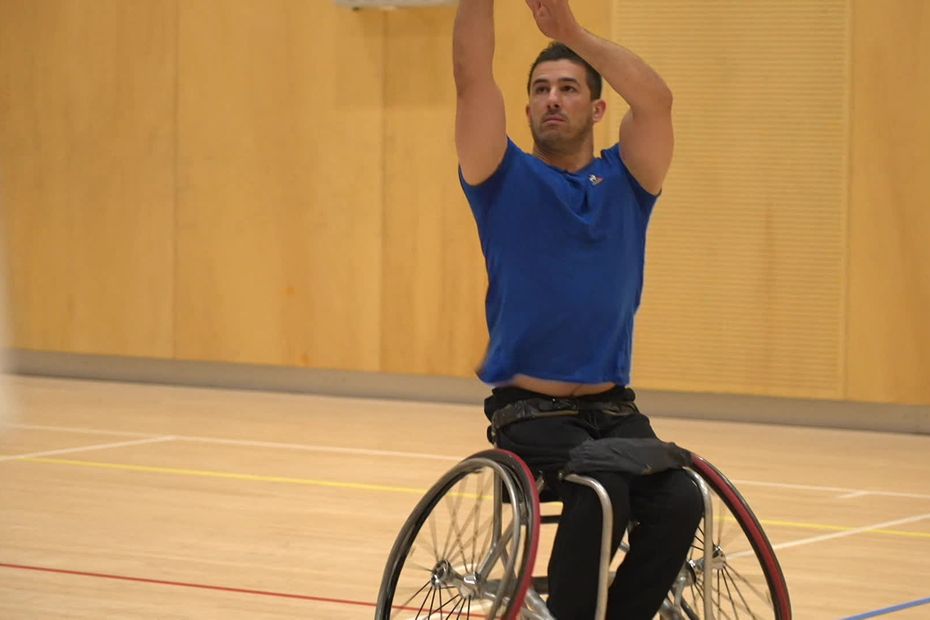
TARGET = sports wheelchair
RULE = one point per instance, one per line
(468, 550)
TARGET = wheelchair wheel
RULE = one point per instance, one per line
(467, 549)
(746, 579)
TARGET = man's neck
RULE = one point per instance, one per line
(571, 160)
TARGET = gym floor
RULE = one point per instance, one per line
(123, 500)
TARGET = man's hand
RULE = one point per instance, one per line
(554, 19)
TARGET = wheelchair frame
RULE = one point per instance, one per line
(511, 552)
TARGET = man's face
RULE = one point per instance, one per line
(560, 109)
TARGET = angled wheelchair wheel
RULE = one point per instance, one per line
(467, 549)
(744, 576)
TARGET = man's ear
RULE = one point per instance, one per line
(600, 109)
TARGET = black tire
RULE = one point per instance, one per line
(747, 579)
(468, 575)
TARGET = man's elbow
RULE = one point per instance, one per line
(658, 103)
(657, 99)
(663, 98)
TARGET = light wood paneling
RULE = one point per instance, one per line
(745, 260)
(279, 213)
(888, 352)
(274, 182)
(87, 164)
(432, 271)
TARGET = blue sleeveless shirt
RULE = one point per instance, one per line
(564, 254)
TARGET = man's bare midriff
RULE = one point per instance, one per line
(558, 388)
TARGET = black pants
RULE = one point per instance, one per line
(666, 507)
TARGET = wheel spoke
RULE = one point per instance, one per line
(403, 606)
(734, 578)
(765, 596)
(423, 604)
(460, 606)
(726, 583)
(499, 551)
(455, 599)
(432, 529)
(486, 543)
(452, 505)
(459, 529)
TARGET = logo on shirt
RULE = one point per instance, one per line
(595, 180)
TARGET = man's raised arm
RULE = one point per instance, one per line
(480, 123)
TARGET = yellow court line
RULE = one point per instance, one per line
(200, 473)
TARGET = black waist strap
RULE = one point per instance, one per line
(535, 408)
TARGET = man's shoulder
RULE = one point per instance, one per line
(611, 155)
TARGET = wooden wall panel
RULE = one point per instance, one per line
(432, 271)
(274, 182)
(280, 159)
(87, 173)
(745, 262)
(888, 352)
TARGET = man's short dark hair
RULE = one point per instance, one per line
(560, 51)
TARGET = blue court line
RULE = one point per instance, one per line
(889, 610)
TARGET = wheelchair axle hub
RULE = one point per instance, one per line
(444, 575)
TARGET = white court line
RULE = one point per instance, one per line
(311, 448)
(252, 443)
(825, 537)
(99, 446)
(809, 487)
(441, 457)
(87, 431)
(852, 495)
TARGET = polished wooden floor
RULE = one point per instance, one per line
(140, 501)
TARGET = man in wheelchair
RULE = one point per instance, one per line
(563, 233)
(643, 480)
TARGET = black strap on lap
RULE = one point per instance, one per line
(632, 456)
(638, 456)
(535, 408)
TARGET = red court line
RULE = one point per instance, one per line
(181, 584)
